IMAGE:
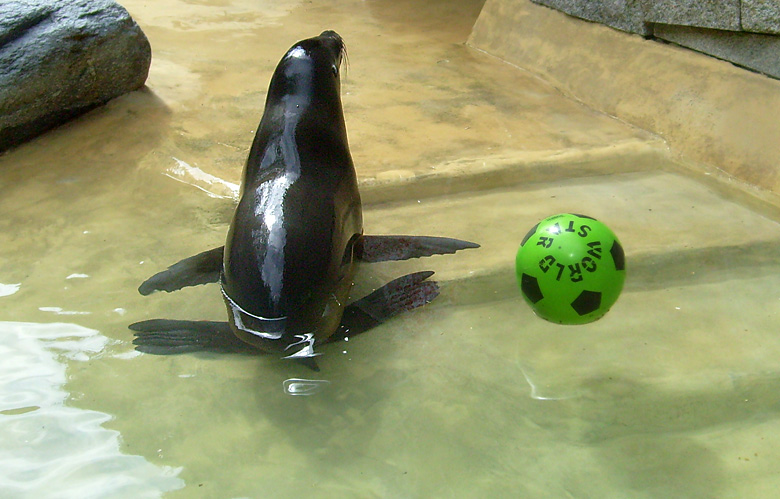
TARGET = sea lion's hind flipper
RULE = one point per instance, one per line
(385, 248)
(202, 268)
(405, 293)
(168, 337)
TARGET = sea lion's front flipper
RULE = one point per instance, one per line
(168, 337)
(405, 293)
(202, 268)
(385, 248)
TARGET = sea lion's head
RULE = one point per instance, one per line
(327, 51)
(311, 67)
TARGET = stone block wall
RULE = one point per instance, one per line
(716, 14)
(745, 32)
(625, 15)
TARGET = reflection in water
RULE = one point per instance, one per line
(9, 289)
(298, 386)
(48, 448)
(60, 311)
(214, 186)
(539, 391)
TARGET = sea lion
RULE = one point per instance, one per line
(287, 266)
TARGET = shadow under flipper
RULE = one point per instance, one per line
(171, 337)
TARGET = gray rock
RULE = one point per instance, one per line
(61, 58)
(754, 51)
(625, 15)
(761, 16)
(717, 14)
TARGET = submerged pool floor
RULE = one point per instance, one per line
(674, 393)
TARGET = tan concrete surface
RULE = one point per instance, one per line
(666, 223)
(709, 111)
(418, 102)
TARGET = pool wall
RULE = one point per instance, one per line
(715, 116)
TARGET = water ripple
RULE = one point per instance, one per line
(48, 449)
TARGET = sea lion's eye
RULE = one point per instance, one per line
(335, 70)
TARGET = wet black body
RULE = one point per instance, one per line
(288, 261)
(287, 266)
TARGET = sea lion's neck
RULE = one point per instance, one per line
(296, 136)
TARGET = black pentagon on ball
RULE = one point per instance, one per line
(529, 234)
(530, 287)
(583, 216)
(618, 256)
(587, 302)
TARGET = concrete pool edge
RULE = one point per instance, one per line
(709, 111)
(516, 168)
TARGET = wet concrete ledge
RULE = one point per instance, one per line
(514, 168)
(716, 117)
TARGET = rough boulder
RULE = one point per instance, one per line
(61, 58)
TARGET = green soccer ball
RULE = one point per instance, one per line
(571, 269)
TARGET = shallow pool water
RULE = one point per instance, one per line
(674, 393)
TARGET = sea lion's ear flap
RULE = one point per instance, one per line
(386, 248)
(202, 268)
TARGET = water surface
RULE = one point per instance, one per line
(675, 393)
